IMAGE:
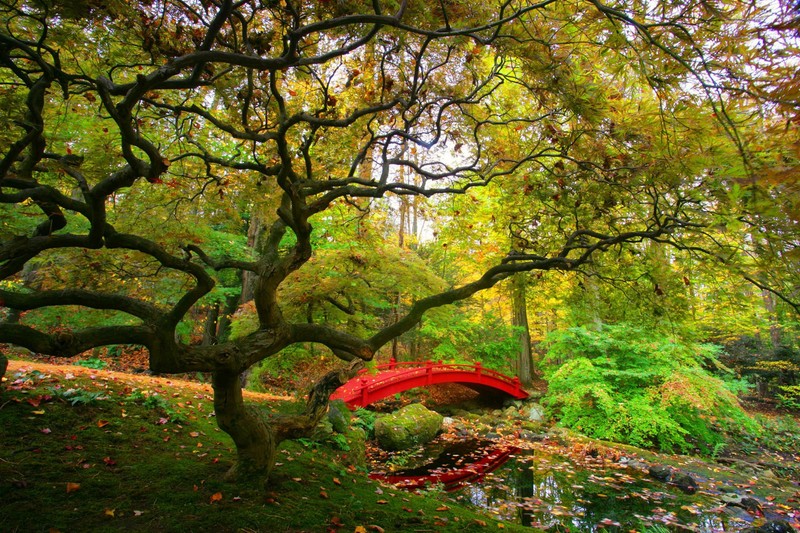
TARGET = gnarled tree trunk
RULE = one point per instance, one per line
(257, 435)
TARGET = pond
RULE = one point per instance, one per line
(545, 485)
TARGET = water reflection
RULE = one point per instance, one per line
(537, 488)
(540, 490)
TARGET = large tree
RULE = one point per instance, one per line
(130, 125)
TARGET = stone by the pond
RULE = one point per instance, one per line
(531, 436)
(412, 425)
(773, 526)
(685, 482)
(660, 472)
(633, 463)
(536, 413)
(751, 505)
(339, 416)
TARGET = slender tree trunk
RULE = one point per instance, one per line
(254, 231)
(520, 320)
(3, 366)
(775, 332)
(224, 323)
(210, 328)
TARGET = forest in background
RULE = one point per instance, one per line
(606, 195)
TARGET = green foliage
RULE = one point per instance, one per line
(365, 419)
(157, 403)
(93, 362)
(789, 397)
(457, 336)
(280, 369)
(52, 319)
(75, 396)
(627, 384)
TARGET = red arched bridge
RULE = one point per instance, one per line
(394, 377)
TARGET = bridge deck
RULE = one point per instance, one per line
(394, 377)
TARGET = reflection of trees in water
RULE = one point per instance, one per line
(574, 499)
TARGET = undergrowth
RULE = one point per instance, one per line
(629, 385)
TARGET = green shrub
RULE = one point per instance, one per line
(634, 386)
(789, 397)
(77, 397)
(94, 362)
(365, 419)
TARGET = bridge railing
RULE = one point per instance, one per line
(429, 368)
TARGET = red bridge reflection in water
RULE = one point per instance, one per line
(393, 377)
(461, 464)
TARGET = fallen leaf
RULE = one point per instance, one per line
(194, 434)
(479, 522)
(373, 527)
(110, 512)
(72, 487)
(138, 513)
(336, 521)
(46, 431)
(216, 497)
(102, 423)
(336, 481)
(41, 412)
(109, 461)
(443, 508)
(382, 502)
(360, 529)
(323, 495)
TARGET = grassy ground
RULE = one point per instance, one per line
(91, 450)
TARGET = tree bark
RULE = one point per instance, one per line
(256, 443)
(257, 436)
(775, 332)
(224, 323)
(520, 320)
(210, 327)
(3, 367)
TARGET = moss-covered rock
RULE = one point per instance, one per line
(407, 427)
(357, 442)
(339, 416)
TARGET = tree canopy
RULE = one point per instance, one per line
(159, 154)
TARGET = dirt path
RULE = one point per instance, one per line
(136, 380)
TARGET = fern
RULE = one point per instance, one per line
(629, 385)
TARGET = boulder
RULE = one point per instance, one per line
(660, 472)
(751, 505)
(323, 431)
(773, 526)
(536, 413)
(339, 416)
(407, 427)
(685, 482)
(357, 442)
